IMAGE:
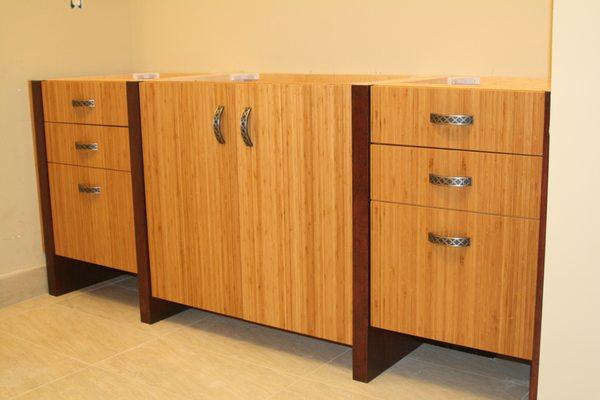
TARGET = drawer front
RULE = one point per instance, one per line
(494, 183)
(98, 103)
(503, 121)
(481, 296)
(88, 145)
(96, 228)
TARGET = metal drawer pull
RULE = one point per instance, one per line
(89, 189)
(89, 103)
(245, 127)
(453, 181)
(451, 119)
(449, 241)
(217, 124)
(86, 146)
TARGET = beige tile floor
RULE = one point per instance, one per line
(90, 345)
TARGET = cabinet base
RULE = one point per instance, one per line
(153, 309)
(378, 351)
(66, 274)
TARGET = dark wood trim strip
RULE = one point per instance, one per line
(374, 350)
(152, 309)
(535, 360)
(64, 274)
(37, 113)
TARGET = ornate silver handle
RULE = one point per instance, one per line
(86, 146)
(89, 103)
(89, 189)
(453, 181)
(451, 119)
(245, 127)
(449, 241)
(217, 124)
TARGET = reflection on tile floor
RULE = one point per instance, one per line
(90, 345)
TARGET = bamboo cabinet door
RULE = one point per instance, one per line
(295, 208)
(191, 195)
(317, 147)
(261, 196)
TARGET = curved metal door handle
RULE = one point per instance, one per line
(452, 181)
(217, 124)
(245, 127)
(451, 119)
(449, 241)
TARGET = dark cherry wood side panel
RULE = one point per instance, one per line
(374, 350)
(152, 309)
(535, 360)
(64, 274)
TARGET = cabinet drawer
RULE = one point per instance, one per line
(496, 183)
(85, 102)
(93, 227)
(504, 121)
(480, 296)
(88, 145)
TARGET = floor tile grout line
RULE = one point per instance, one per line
(234, 357)
(31, 342)
(237, 358)
(329, 362)
(447, 367)
(88, 364)
(89, 367)
(137, 346)
(296, 380)
(300, 378)
(120, 323)
(307, 378)
(50, 382)
(134, 377)
(157, 335)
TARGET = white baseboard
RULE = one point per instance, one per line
(22, 285)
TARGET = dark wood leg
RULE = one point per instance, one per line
(374, 350)
(379, 351)
(66, 275)
(152, 309)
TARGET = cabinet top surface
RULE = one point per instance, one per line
(486, 83)
(123, 77)
(274, 78)
(489, 83)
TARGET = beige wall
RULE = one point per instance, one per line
(491, 37)
(42, 39)
(571, 316)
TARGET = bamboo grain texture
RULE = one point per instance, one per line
(113, 145)
(480, 296)
(97, 228)
(504, 121)
(110, 102)
(502, 184)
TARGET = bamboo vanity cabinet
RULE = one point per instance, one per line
(377, 212)
(249, 199)
(449, 224)
(90, 177)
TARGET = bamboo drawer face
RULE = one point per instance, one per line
(502, 121)
(92, 215)
(480, 296)
(88, 145)
(85, 102)
(491, 183)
